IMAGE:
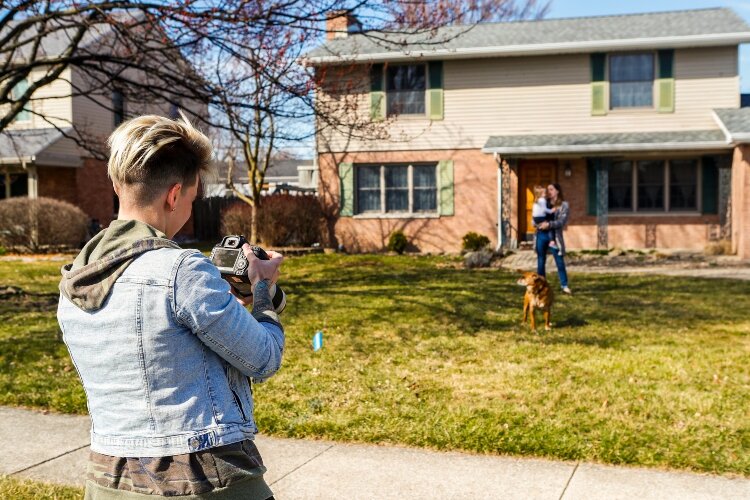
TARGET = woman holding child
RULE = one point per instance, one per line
(550, 216)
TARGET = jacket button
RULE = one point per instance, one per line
(193, 442)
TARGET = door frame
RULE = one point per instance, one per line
(522, 176)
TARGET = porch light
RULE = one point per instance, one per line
(567, 171)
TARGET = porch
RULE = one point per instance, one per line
(647, 190)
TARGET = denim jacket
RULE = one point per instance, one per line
(165, 359)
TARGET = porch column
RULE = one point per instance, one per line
(32, 181)
(602, 203)
(741, 201)
(503, 202)
(725, 197)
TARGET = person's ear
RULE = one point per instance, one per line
(172, 196)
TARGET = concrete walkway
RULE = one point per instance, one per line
(54, 448)
(726, 268)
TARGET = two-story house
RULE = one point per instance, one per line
(637, 117)
(41, 152)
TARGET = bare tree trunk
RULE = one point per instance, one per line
(254, 226)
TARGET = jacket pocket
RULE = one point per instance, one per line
(239, 404)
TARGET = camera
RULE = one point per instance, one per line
(229, 258)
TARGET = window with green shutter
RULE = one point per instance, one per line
(665, 82)
(377, 93)
(346, 179)
(16, 93)
(445, 171)
(599, 84)
(435, 89)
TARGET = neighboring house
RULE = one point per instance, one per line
(636, 116)
(40, 153)
(297, 175)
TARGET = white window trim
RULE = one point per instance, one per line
(410, 214)
(667, 209)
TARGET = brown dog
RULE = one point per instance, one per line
(538, 295)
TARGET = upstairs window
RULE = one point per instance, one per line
(405, 86)
(118, 106)
(631, 81)
(404, 189)
(18, 91)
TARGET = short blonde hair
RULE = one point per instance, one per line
(152, 153)
(539, 191)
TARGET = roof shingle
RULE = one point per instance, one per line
(701, 27)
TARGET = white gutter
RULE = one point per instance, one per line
(606, 148)
(672, 42)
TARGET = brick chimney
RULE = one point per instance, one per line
(340, 23)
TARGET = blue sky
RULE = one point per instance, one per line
(576, 8)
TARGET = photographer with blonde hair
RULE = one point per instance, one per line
(162, 347)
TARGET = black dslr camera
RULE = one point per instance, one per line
(229, 258)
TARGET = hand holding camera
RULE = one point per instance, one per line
(243, 266)
(258, 269)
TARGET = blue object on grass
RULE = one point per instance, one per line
(317, 341)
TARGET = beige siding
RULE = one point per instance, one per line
(51, 101)
(552, 95)
(93, 113)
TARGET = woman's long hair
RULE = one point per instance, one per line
(560, 197)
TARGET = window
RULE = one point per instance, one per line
(405, 89)
(621, 186)
(650, 186)
(683, 185)
(12, 185)
(396, 189)
(631, 80)
(16, 93)
(118, 106)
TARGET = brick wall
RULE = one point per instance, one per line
(94, 191)
(58, 183)
(475, 201)
(741, 201)
(476, 209)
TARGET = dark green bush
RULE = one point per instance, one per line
(473, 242)
(397, 242)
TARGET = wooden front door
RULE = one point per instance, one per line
(533, 172)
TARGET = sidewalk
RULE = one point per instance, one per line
(54, 448)
(526, 261)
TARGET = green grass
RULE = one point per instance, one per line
(18, 489)
(642, 370)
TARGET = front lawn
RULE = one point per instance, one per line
(23, 489)
(641, 370)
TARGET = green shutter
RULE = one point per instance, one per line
(435, 89)
(710, 186)
(598, 84)
(665, 82)
(592, 198)
(377, 93)
(18, 91)
(346, 176)
(445, 175)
